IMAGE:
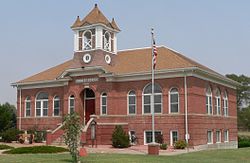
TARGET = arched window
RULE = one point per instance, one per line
(147, 93)
(56, 109)
(104, 104)
(174, 100)
(42, 104)
(209, 106)
(131, 102)
(218, 102)
(87, 41)
(107, 41)
(27, 107)
(71, 104)
(225, 104)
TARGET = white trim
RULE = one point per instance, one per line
(225, 104)
(95, 25)
(101, 113)
(227, 135)
(218, 102)
(171, 137)
(218, 131)
(145, 143)
(25, 106)
(128, 113)
(41, 105)
(169, 100)
(83, 41)
(155, 94)
(212, 141)
(54, 106)
(105, 47)
(209, 101)
(70, 98)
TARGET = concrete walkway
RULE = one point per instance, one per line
(137, 149)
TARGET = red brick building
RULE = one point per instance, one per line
(113, 87)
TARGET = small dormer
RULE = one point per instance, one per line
(94, 32)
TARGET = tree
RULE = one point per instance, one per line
(119, 138)
(7, 117)
(243, 90)
(72, 133)
(244, 119)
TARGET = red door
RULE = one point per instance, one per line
(90, 109)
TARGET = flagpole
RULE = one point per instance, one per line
(152, 95)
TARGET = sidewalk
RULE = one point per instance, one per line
(137, 149)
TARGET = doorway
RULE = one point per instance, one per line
(89, 104)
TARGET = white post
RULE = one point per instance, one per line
(152, 96)
(186, 109)
(20, 107)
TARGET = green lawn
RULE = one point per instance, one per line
(237, 155)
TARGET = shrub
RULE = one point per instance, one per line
(10, 135)
(36, 149)
(3, 146)
(163, 146)
(243, 141)
(119, 138)
(180, 144)
(39, 136)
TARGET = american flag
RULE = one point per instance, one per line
(154, 49)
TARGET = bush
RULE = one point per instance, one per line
(163, 146)
(180, 144)
(243, 141)
(3, 146)
(119, 138)
(10, 135)
(36, 149)
(39, 136)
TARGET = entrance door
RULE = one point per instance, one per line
(89, 103)
(89, 108)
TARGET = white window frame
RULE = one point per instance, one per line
(171, 137)
(209, 101)
(169, 98)
(145, 138)
(218, 139)
(71, 97)
(42, 101)
(128, 104)
(104, 96)
(107, 44)
(226, 135)
(88, 43)
(59, 108)
(210, 131)
(150, 95)
(27, 100)
(218, 102)
(225, 104)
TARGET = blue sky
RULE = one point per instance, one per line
(36, 34)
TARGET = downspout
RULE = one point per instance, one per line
(20, 107)
(186, 109)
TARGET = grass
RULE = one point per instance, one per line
(36, 149)
(3, 146)
(214, 156)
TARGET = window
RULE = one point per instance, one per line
(147, 93)
(131, 102)
(42, 104)
(87, 43)
(71, 104)
(56, 106)
(209, 106)
(148, 138)
(226, 136)
(218, 102)
(173, 137)
(174, 100)
(27, 107)
(218, 136)
(225, 104)
(132, 137)
(107, 41)
(104, 103)
(209, 137)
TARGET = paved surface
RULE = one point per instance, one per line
(137, 149)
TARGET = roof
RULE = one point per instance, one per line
(129, 62)
(94, 17)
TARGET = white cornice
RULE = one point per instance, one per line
(94, 25)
